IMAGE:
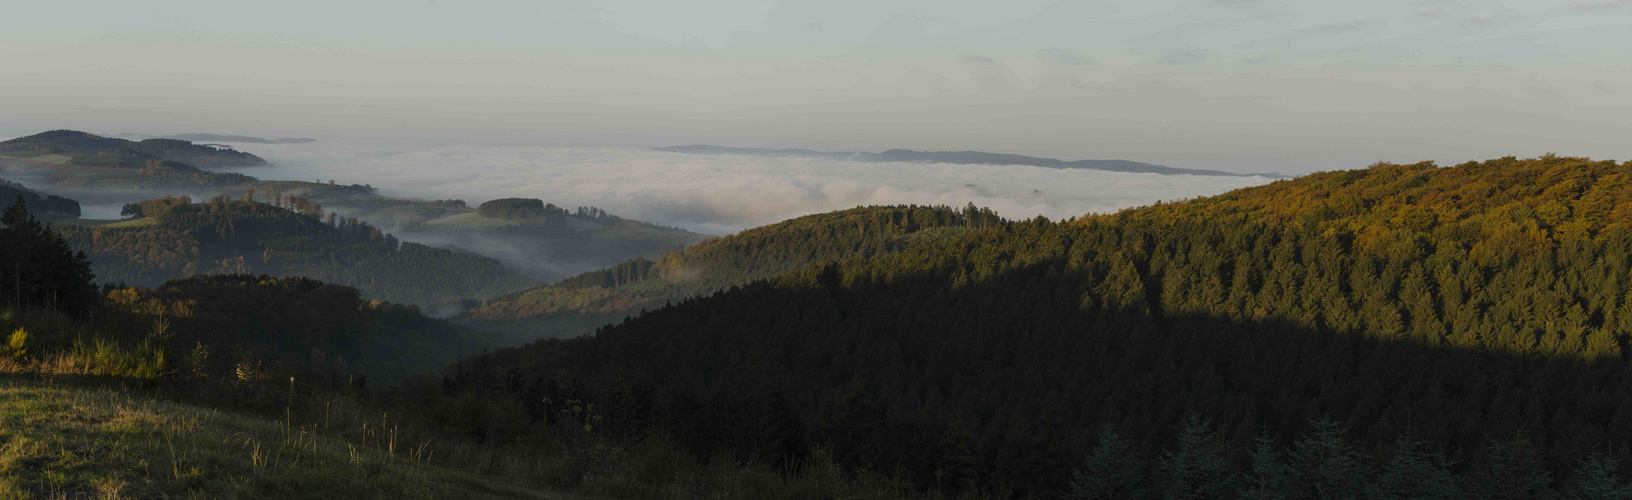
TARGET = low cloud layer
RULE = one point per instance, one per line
(719, 194)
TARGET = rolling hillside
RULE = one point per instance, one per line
(1480, 309)
(579, 304)
(243, 386)
(239, 237)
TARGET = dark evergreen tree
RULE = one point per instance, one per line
(1596, 479)
(1110, 471)
(38, 269)
(1271, 477)
(1326, 466)
(1198, 467)
(1512, 470)
(1412, 473)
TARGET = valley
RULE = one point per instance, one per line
(104, 173)
(776, 250)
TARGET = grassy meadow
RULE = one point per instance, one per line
(65, 441)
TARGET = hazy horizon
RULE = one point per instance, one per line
(716, 194)
(1236, 85)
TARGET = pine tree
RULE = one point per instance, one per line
(1595, 479)
(38, 268)
(1271, 477)
(1512, 471)
(1199, 465)
(1414, 474)
(1326, 466)
(1110, 472)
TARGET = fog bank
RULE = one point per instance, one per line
(717, 194)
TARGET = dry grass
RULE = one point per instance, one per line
(564, 457)
(67, 441)
(62, 442)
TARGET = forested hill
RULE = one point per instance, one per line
(1547, 199)
(80, 148)
(577, 305)
(1461, 307)
(174, 237)
(37, 202)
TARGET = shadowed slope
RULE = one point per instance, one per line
(989, 359)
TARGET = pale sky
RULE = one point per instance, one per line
(1238, 85)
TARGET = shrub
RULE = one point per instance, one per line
(103, 356)
(17, 343)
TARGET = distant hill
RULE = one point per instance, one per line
(576, 305)
(37, 202)
(957, 157)
(80, 148)
(201, 137)
(556, 244)
(548, 244)
(174, 237)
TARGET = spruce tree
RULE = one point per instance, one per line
(1109, 472)
(1412, 473)
(1512, 471)
(1199, 465)
(1272, 478)
(38, 268)
(1326, 466)
(1595, 479)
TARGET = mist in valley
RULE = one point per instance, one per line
(544, 259)
(718, 194)
(711, 195)
(96, 203)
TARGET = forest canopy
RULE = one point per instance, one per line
(1457, 306)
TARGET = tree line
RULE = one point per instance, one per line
(38, 268)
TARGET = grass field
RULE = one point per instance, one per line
(67, 442)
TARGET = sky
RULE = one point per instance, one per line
(1238, 85)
